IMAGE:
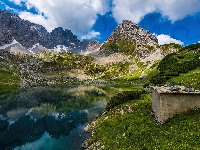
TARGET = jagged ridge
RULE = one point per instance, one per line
(29, 34)
(130, 31)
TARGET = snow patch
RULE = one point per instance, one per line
(7, 45)
(33, 47)
(36, 48)
(61, 48)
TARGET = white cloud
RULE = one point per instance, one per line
(166, 39)
(17, 2)
(132, 10)
(9, 8)
(38, 18)
(135, 10)
(79, 16)
(91, 34)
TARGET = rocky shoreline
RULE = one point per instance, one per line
(90, 129)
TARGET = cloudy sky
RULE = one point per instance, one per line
(172, 21)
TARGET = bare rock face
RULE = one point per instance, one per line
(90, 45)
(130, 39)
(28, 34)
(17, 48)
(25, 32)
(130, 31)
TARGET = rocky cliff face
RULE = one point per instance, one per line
(90, 45)
(23, 31)
(130, 39)
(130, 31)
(29, 34)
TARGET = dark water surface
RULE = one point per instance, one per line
(50, 118)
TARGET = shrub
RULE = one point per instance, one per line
(123, 97)
(174, 64)
(124, 46)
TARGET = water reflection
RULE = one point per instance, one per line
(49, 117)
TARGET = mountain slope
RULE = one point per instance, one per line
(181, 62)
(28, 34)
(130, 31)
(128, 51)
(129, 38)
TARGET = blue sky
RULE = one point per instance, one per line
(175, 21)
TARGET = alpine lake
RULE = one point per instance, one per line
(52, 117)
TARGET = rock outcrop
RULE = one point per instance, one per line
(129, 38)
(130, 31)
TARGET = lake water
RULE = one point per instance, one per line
(50, 118)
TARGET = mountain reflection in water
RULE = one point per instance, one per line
(49, 118)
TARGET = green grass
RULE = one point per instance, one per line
(8, 82)
(124, 46)
(174, 64)
(127, 86)
(149, 76)
(8, 77)
(136, 76)
(192, 78)
(8, 91)
(137, 129)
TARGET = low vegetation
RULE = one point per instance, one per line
(124, 46)
(121, 98)
(174, 64)
(128, 123)
(166, 47)
(191, 78)
(131, 126)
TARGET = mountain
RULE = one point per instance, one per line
(130, 52)
(35, 37)
(130, 31)
(15, 47)
(129, 38)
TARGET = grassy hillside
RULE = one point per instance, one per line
(178, 66)
(128, 124)
(9, 81)
(135, 71)
(7, 76)
(44, 68)
(191, 78)
(131, 126)
(49, 67)
(123, 46)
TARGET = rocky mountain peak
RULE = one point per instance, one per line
(59, 36)
(31, 35)
(25, 32)
(130, 31)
